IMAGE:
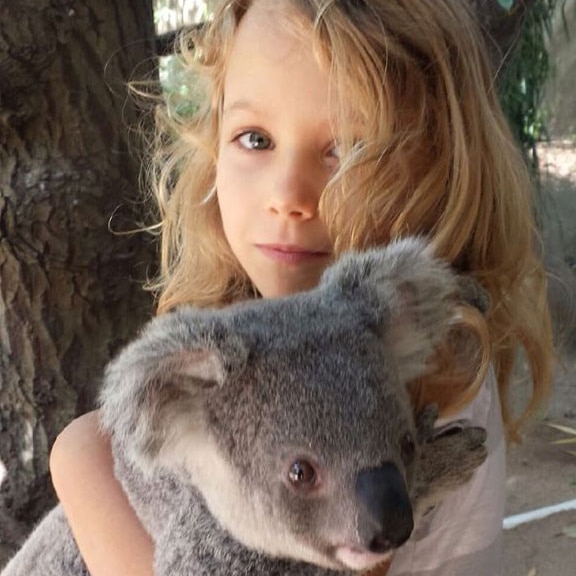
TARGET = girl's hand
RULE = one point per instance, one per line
(108, 533)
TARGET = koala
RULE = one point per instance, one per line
(276, 437)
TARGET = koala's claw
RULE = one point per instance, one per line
(457, 427)
(428, 432)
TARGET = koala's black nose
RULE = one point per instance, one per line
(385, 520)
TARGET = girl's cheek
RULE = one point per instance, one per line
(233, 159)
(228, 161)
(235, 171)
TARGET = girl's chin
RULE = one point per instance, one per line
(286, 286)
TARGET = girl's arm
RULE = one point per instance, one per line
(109, 535)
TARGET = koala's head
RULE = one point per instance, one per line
(291, 415)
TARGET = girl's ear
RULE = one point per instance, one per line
(154, 392)
(410, 295)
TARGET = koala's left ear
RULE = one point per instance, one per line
(411, 295)
(154, 392)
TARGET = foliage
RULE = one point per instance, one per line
(522, 81)
(170, 15)
(177, 83)
(178, 86)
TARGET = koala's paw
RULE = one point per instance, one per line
(449, 455)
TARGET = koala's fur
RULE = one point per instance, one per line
(217, 415)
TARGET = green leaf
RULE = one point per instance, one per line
(570, 531)
(506, 4)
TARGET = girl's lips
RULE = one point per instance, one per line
(288, 254)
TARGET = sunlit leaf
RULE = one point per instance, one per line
(506, 4)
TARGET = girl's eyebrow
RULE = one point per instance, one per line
(240, 105)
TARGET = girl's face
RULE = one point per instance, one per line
(276, 154)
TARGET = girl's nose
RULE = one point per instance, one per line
(297, 186)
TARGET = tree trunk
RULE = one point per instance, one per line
(70, 289)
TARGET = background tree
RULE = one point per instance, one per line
(70, 290)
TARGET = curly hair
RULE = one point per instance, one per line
(436, 158)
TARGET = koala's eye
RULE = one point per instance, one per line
(302, 474)
(407, 448)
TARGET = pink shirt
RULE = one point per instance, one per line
(462, 537)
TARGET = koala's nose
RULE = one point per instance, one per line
(385, 520)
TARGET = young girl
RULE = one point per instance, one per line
(324, 126)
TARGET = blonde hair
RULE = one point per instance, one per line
(436, 158)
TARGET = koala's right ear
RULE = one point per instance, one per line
(154, 391)
(410, 295)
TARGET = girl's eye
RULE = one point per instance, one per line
(302, 474)
(254, 141)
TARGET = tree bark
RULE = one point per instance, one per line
(70, 289)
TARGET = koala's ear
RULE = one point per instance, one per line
(411, 295)
(199, 367)
(154, 392)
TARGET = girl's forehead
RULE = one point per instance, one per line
(267, 56)
(274, 28)
(273, 58)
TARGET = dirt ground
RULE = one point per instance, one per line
(542, 474)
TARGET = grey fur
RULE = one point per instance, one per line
(209, 410)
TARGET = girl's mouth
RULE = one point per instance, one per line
(290, 254)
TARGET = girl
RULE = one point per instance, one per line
(324, 126)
